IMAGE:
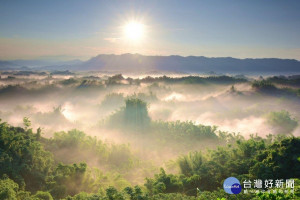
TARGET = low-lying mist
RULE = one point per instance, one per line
(177, 114)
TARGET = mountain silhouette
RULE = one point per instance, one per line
(174, 63)
(137, 62)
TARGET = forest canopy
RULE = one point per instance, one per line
(148, 138)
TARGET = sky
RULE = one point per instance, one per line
(73, 29)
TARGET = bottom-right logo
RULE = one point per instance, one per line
(232, 185)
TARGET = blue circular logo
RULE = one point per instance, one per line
(232, 185)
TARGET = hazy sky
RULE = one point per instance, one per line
(81, 29)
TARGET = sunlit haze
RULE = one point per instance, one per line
(79, 30)
(134, 30)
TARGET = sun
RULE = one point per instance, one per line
(134, 30)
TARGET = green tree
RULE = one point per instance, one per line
(136, 113)
(8, 189)
(41, 195)
(113, 194)
(27, 123)
(278, 161)
(23, 158)
(282, 122)
(164, 183)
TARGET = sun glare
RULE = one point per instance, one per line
(134, 30)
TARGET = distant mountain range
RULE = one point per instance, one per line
(141, 63)
(35, 64)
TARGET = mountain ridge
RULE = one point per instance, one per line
(189, 64)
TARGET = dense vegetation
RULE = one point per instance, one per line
(282, 122)
(29, 169)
